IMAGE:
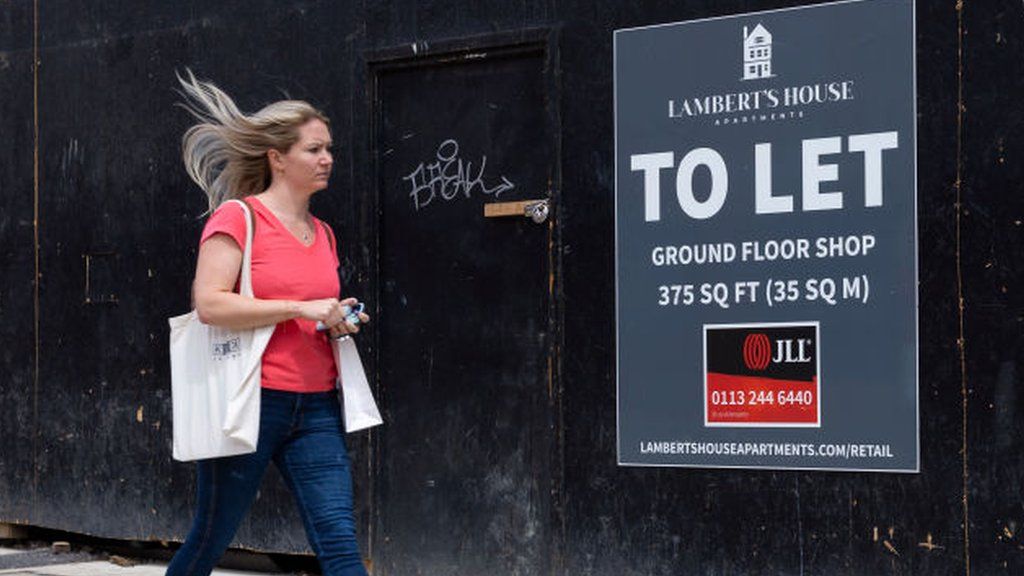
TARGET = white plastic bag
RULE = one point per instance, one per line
(357, 400)
(215, 379)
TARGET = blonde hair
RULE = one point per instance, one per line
(226, 153)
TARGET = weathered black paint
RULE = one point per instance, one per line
(17, 257)
(992, 250)
(76, 456)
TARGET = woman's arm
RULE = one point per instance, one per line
(217, 271)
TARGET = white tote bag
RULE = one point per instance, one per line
(356, 398)
(215, 379)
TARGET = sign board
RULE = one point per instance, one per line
(766, 255)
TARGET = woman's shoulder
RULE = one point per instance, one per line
(231, 208)
(228, 218)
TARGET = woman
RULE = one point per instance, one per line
(274, 160)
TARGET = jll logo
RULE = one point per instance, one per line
(757, 351)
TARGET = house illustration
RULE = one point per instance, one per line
(757, 53)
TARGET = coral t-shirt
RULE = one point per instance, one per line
(298, 358)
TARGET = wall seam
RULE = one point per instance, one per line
(961, 344)
(35, 242)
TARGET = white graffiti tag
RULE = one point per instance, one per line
(449, 176)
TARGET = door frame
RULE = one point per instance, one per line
(542, 41)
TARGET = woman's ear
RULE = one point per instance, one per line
(274, 157)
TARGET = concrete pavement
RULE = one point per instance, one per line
(43, 562)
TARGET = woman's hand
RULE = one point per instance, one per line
(344, 327)
(328, 311)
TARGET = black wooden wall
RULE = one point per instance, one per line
(90, 179)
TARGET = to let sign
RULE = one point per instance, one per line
(766, 253)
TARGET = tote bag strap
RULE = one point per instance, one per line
(330, 235)
(250, 233)
(245, 283)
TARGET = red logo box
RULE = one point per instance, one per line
(762, 375)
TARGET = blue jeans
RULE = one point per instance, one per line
(303, 435)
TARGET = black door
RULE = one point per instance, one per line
(465, 483)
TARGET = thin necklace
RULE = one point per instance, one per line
(305, 223)
(304, 232)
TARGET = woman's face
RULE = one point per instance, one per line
(306, 166)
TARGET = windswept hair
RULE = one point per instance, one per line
(226, 153)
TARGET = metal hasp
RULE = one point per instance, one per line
(537, 210)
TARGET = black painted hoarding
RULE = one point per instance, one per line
(86, 387)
